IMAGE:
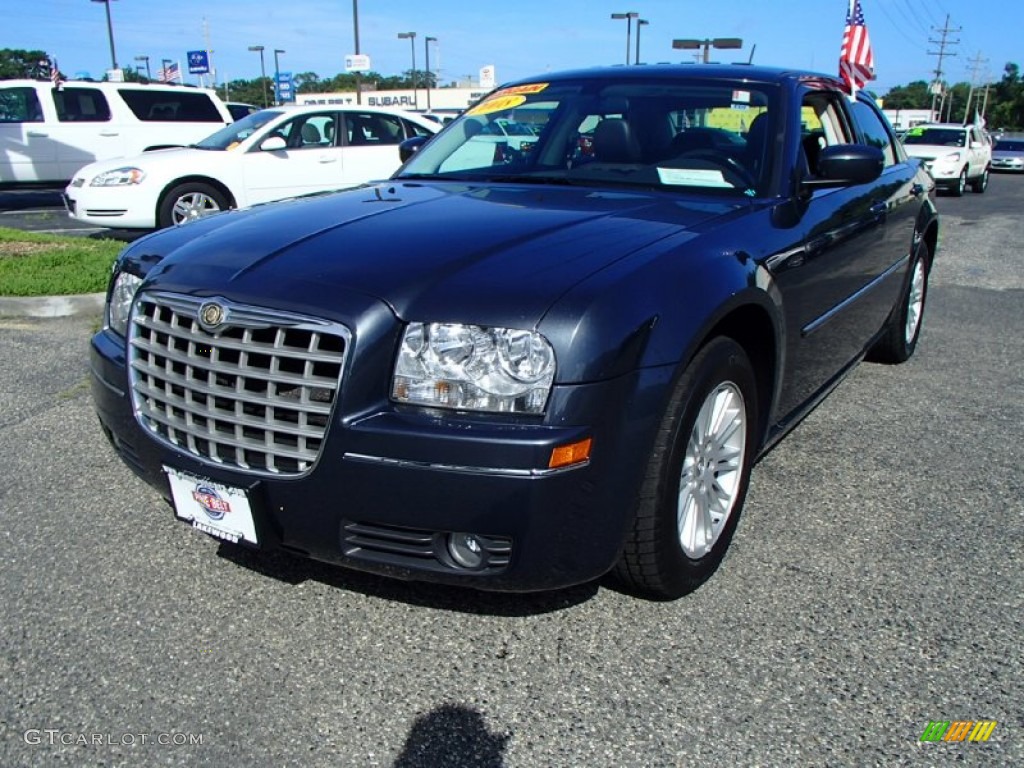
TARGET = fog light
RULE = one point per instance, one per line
(466, 549)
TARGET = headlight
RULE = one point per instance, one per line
(951, 159)
(121, 297)
(470, 367)
(119, 177)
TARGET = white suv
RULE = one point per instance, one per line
(48, 132)
(956, 155)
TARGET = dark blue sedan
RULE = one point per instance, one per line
(532, 356)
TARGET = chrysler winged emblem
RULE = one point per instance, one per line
(211, 315)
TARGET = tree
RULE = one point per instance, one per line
(916, 95)
(16, 64)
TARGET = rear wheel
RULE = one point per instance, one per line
(900, 339)
(697, 476)
(187, 202)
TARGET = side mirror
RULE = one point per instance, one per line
(409, 147)
(273, 144)
(843, 165)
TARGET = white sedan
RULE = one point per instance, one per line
(270, 155)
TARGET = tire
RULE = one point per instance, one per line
(899, 340)
(187, 202)
(980, 184)
(670, 549)
(961, 185)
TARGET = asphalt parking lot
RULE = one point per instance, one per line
(874, 585)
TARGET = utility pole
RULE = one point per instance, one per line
(941, 53)
(976, 65)
(209, 54)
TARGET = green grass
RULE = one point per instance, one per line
(50, 265)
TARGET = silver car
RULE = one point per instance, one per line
(1008, 155)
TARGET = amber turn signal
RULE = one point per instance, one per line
(573, 453)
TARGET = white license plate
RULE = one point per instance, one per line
(214, 508)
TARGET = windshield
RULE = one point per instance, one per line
(230, 135)
(709, 135)
(943, 137)
(1010, 146)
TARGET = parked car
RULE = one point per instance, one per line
(956, 155)
(1008, 155)
(48, 132)
(579, 380)
(268, 155)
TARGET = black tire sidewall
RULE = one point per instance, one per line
(720, 361)
(165, 216)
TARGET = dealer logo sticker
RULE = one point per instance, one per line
(213, 505)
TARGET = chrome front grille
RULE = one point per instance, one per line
(254, 393)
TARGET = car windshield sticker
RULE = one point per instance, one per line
(498, 104)
(915, 132)
(528, 89)
(692, 177)
(741, 97)
(506, 98)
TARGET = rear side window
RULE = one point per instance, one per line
(81, 105)
(20, 105)
(170, 106)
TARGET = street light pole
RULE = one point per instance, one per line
(426, 50)
(628, 16)
(639, 23)
(110, 33)
(149, 75)
(263, 73)
(411, 37)
(277, 76)
(355, 28)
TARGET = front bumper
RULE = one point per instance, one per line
(127, 207)
(390, 486)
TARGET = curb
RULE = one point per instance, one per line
(52, 306)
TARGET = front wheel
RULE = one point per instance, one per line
(980, 184)
(697, 476)
(900, 337)
(187, 202)
(961, 184)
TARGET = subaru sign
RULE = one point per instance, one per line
(198, 62)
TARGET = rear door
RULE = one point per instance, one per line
(370, 145)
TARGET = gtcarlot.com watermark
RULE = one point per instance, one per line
(55, 737)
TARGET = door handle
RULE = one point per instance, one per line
(879, 208)
(37, 134)
(109, 133)
(326, 159)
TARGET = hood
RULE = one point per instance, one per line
(176, 157)
(434, 251)
(931, 151)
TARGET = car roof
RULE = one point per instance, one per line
(730, 72)
(108, 85)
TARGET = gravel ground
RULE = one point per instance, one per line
(874, 585)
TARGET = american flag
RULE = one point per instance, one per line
(170, 74)
(856, 61)
(55, 74)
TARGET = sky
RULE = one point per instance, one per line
(520, 39)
